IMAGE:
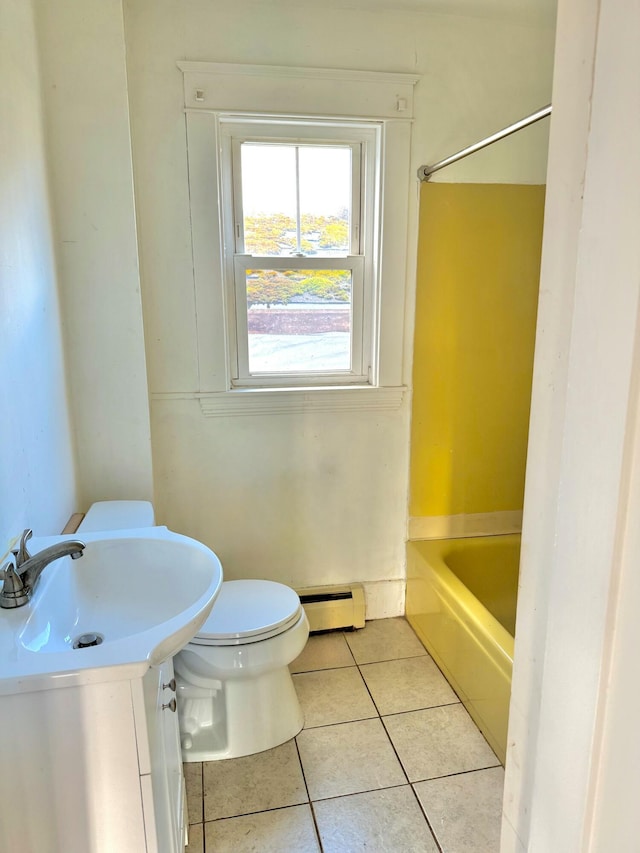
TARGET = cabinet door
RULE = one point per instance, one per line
(165, 758)
(172, 755)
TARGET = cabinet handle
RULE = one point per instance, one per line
(170, 705)
(171, 685)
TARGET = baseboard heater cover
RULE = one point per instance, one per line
(332, 607)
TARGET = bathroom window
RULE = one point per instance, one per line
(300, 198)
(299, 220)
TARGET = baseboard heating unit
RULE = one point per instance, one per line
(331, 607)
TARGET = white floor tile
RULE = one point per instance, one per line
(407, 685)
(323, 651)
(387, 820)
(465, 811)
(255, 783)
(438, 742)
(348, 758)
(289, 830)
(333, 696)
(384, 639)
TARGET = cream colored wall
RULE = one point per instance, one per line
(318, 497)
(87, 122)
(37, 472)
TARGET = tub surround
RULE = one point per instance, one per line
(473, 357)
(465, 524)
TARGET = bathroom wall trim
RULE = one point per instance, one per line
(384, 599)
(262, 401)
(466, 524)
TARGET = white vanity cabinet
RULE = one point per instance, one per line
(93, 768)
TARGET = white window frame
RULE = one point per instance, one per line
(212, 90)
(362, 258)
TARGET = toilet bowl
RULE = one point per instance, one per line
(235, 693)
(234, 690)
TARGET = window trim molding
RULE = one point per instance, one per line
(233, 87)
(284, 401)
(212, 89)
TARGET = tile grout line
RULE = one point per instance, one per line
(340, 723)
(204, 835)
(306, 787)
(202, 810)
(459, 773)
(426, 817)
(425, 708)
(358, 793)
(260, 811)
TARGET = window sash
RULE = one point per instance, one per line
(359, 372)
(331, 140)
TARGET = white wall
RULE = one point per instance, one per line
(316, 497)
(86, 108)
(37, 476)
(573, 762)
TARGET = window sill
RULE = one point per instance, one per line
(286, 401)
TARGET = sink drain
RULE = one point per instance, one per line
(86, 640)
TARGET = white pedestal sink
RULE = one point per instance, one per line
(91, 736)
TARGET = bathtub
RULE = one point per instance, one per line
(461, 602)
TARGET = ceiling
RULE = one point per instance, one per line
(533, 12)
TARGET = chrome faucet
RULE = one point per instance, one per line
(20, 580)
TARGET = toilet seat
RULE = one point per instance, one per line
(249, 611)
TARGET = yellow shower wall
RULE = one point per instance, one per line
(477, 291)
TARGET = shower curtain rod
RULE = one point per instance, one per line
(425, 172)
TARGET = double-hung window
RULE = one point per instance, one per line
(300, 200)
(299, 213)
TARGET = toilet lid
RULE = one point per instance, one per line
(248, 611)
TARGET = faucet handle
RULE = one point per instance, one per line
(21, 553)
(12, 580)
(13, 593)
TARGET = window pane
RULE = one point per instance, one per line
(269, 198)
(325, 199)
(291, 191)
(299, 320)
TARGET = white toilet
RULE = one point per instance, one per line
(235, 693)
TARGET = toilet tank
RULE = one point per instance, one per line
(117, 515)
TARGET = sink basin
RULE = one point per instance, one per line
(143, 594)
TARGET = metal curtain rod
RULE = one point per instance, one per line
(425, 172)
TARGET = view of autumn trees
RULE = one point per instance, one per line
(275, 234)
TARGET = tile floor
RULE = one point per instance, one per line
(389, 761)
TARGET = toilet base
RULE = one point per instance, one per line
(240, 717)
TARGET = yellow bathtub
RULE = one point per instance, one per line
(461, 602)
